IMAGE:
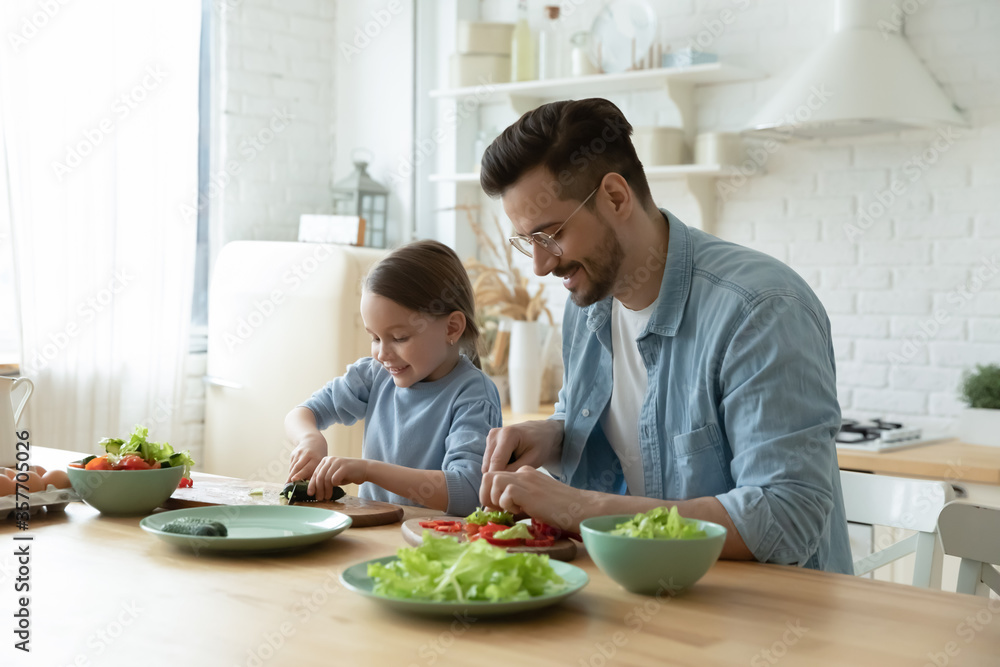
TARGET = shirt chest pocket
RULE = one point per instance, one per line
(698, 466)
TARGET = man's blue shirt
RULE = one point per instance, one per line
(741, 401)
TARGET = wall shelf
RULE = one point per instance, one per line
(698, 178)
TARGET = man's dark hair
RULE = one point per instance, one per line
(578, 141)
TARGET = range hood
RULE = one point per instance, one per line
(864, 80)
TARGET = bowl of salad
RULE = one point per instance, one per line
(131, 477)
(655, 553)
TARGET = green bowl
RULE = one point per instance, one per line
(651, 566)
(125, 492)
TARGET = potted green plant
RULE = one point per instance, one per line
(979, 423)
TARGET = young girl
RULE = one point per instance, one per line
(427, 407)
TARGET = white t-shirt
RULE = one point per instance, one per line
(621, 420)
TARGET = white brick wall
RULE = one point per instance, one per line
(276, 57)
(918, 257)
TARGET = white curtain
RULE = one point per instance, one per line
(99, 113)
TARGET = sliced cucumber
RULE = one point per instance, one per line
(190, 525)
(298, 492)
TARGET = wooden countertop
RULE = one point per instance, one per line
(103, 592)
(950, 461)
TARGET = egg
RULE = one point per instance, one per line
(34, 482)
(7, 486)
(39, 469)
(57, 478)
(9, 472)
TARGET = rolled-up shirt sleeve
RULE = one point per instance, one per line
(343, 400)
(465, 445)
(781, 415)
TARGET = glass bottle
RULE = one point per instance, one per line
(551, 45)
(522, 49)
(581, 58)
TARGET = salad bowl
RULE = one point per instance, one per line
(651, 566)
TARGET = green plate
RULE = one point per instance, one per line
(253, 527)
(356, 578)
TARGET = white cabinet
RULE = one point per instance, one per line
(452, 117)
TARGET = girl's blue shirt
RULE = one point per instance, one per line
(439, 425)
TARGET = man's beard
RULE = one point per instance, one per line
(601, 271)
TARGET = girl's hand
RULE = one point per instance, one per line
(336, 471)
(306, 456)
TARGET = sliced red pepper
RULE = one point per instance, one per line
(491, 528)
(516, 542)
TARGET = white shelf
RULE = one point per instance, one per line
(652, 173)
(602, 84)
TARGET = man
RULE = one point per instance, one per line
(698, 373)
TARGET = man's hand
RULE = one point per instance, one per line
(336, 471)
(306, 456)
(534, 493)
(533, 443)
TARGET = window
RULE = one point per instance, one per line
(199, 304)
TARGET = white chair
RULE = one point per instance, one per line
(972, 532)
(897, 502)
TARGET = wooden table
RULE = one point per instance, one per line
(105, 593)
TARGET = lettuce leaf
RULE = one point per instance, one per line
(659, 523)
(481, 517)
(444, 569)
(150, 451)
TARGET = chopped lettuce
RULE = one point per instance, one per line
(481, 517)
(660, 524)
(444, 569)
(517, 531)
(150, 451)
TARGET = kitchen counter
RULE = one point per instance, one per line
(103, 592)
(952, 460)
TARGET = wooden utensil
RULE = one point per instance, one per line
(563, 549)
(212, 490)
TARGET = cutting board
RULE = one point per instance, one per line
(564, 549)
(212, 490)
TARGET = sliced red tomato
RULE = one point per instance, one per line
(442, 526)
(132, 462)
(100, 463)
(547, 542)
(471, 529)
(74, 464)
(186, 483)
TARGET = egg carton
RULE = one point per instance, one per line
(53, 499)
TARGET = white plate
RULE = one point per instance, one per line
(617, 27)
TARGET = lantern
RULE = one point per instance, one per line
(360, 195)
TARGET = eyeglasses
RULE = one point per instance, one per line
(546, 241)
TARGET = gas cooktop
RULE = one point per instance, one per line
(879, 435)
